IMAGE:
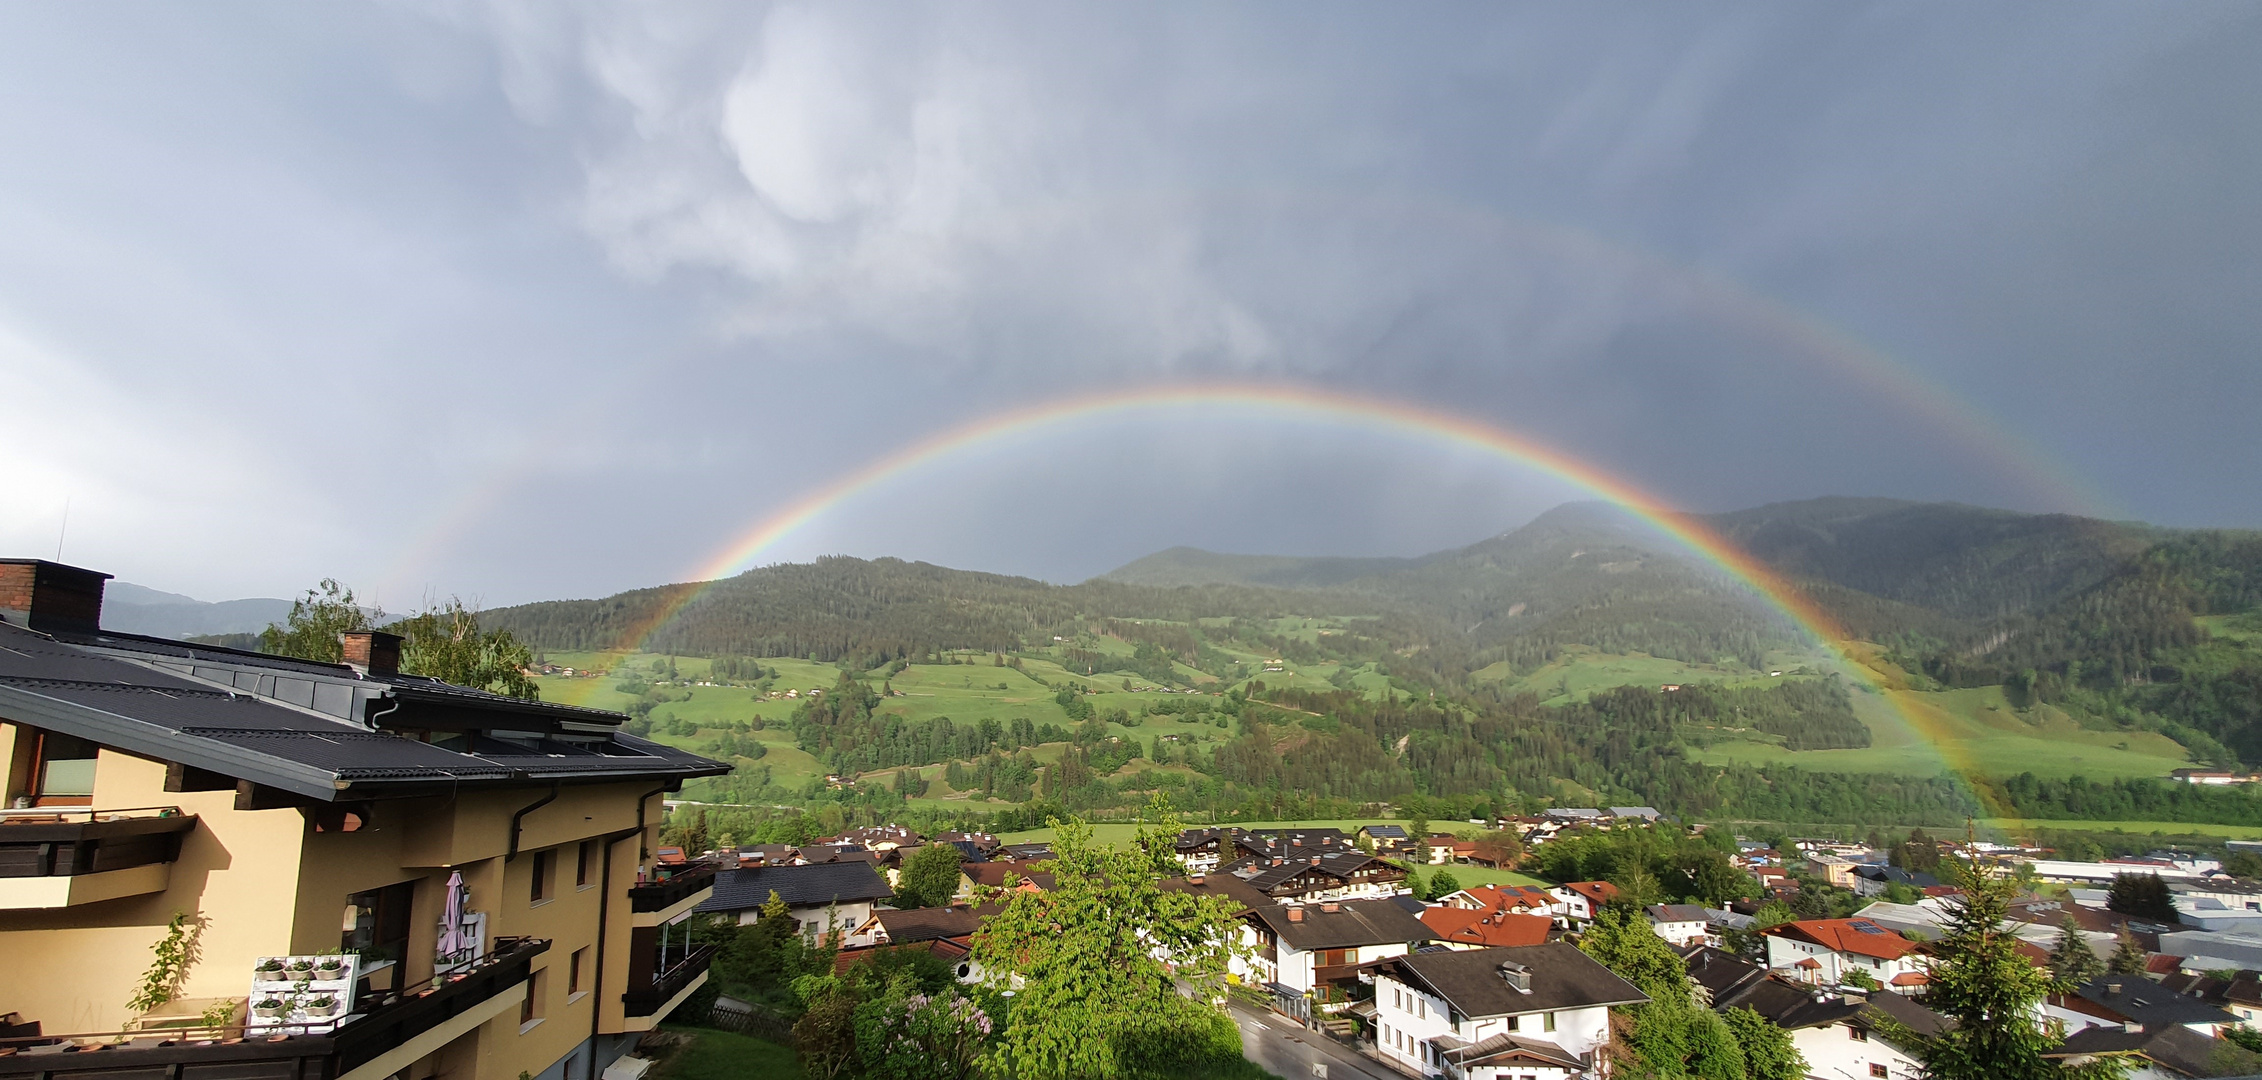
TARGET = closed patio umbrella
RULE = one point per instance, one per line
(451, 919)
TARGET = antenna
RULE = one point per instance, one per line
(65, 530)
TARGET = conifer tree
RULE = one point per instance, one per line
(1990, 993)
(2128, 957)
(2071, 959)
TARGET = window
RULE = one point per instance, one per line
(530, 1009)
(62, 771)
(1515, 1023)
(581, 866)
(1856, 1034)
(376, 922)
(542, 869)
(1879, 1071)
(1547, 1022)
(573, 971)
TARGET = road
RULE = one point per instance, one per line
(1294, 1053)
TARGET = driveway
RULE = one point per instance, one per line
(1293, 1053)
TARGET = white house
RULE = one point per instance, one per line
(821, 897)
(1582, 899)
(1309, 953)
(1681, 925)
(1538, 1011)
(1824, 952)
(1844, 1035)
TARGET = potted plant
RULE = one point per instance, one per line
(269, 1008)
(330, 968)
(301, 969)
(270, 970)
(321, 1005)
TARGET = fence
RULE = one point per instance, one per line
(747, 1018)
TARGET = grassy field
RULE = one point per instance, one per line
(1972, 732)
(1581, 671)
(2140, 828)
(723, 1055)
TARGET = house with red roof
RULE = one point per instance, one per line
(1824, 951)
(1470, 928)
(1582, 899)
(1523, 899)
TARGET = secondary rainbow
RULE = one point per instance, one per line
(1311, 404)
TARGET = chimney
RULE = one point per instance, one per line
(1517, 975)
(2113, 988)
(50, 597)
(1295, 914)
(1195, 879)
(372, 652)
(1331, 907)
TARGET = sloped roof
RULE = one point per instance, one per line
(1677, 913)
(993, 875)
(1352, 923)
(325, 732)
(1597, 892)
(811, 885)
(926, 924)
(2149, 1003)
(1562, 977)
(1475, 926)
(1859, 936)
(2176, 1047)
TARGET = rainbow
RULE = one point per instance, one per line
(1313, 404)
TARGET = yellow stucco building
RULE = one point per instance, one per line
(466, 876)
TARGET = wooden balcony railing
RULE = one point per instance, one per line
(665, 985)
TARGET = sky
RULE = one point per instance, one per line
(520, 301)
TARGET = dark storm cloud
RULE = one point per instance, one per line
(525, 300)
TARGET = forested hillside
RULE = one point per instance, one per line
(1341, 682)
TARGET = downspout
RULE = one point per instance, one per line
(518, 820)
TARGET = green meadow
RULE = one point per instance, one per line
(1580, 671)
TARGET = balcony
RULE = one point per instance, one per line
(656, 902)
(388, 1032)
(667, 988)
(56, 857)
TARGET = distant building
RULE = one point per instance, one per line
(1681, 925)
(1310, 954)
(820, 897)
(1583, 899)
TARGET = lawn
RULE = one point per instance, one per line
(723, 1055)
(1973, 732)
(2140, 828)
(1581, 671)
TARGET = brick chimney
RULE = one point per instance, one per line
(372, 652)
(51, 597)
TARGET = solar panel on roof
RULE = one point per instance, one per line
(1867, 927)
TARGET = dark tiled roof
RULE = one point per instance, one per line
(307, 728)
(1677, 913)
(994, 874)
(1562, 977)
(1504, 1049)
(2180, 1049)
(927, 924)
(1721, 974)
(1356, 922)
(1271, 874)
(814, 885)
(2148, 1003)
(1225, 885)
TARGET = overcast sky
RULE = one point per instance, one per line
(528, 300)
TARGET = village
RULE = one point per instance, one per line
(1484, 982)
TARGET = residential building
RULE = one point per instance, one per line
(1681, 925)
(1342, 875)
(1477, 928)
(999, 875)
(2170, 1053)
(471, 869)
(1846, 1034)
(1583, 899)
(1823, 952)
(1635, 813)
(1540, 1011)
(1310, 953)
(1523, 899)
(1835, 869)
(1872, 880)
(1437, 848)
(820, 898)
(2132, 1001)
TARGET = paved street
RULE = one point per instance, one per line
(1293, 1053)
